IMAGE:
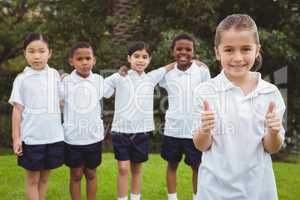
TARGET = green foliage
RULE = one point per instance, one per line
(156, 22)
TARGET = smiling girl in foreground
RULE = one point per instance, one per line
(241, 120)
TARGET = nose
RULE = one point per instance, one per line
(84, 61)
(36, 55)
(237, 57)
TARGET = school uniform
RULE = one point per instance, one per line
(177, 140)
(236, 166)
(83, 126)
(133, 117)
(41, 130)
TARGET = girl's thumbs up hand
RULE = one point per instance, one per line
(207, 119)
(274, 124)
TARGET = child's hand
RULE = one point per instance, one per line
(62, 76)
(123, 71)
(200, 64)
(17, 145)
(170, 66)
(207, 119)
(274, 124)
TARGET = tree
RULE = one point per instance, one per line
(16, 19)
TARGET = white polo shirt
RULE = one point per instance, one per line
(38, 92)
(134, 100)
(82, 110)
(237, 166)
(180, 86)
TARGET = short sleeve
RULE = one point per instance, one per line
(280, 110)
(157, 75)
(163, 82)
(109, 85)
(61, 89)
(16, 96)
(206, 74)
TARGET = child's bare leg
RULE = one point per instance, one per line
(195, 179)
(43, 183)
(91, 183)
(32, 184)
(75, 182)
(136, 180)
(171, 177)
(122, 182)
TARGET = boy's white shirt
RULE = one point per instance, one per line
(82, 109)
(237, 166)
(38, 92)
(180, 86)
(133, 100)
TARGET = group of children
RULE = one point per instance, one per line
(235, 119)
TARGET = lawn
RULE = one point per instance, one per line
(154, 184)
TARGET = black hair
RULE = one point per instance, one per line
(79, 45)
(183, 36)
(137, 46)
(32, 37)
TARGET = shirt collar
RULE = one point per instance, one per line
(135, 73)
(78, 78)
(30, 71)
(262, 86)
(188, 71)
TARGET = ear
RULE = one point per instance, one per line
(217, 53)
(258, 48)
(70, 60)
(95, 61)
(50, 53)
(129, 58)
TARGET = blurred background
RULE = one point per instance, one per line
(110, 25)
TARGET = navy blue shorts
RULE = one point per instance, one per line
(173, 148)
(88, 156)
(42, 156)
(133, 147)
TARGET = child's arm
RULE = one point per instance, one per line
(158, 74)
(170, 66)
(109, 85)
(16, 129)
(273, 141)
(202, 138)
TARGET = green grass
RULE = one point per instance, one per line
(154, 184)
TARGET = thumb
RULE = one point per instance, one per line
(271, 107)
(205, 105)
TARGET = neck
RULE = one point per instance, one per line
(184, 67)
(37, 69)
(82, 75)
(139, 72)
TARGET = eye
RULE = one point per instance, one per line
(136, 56)
(188, 49)
(246, 49)
(145, 57)
(228, 50)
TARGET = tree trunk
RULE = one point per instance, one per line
(120, 32)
